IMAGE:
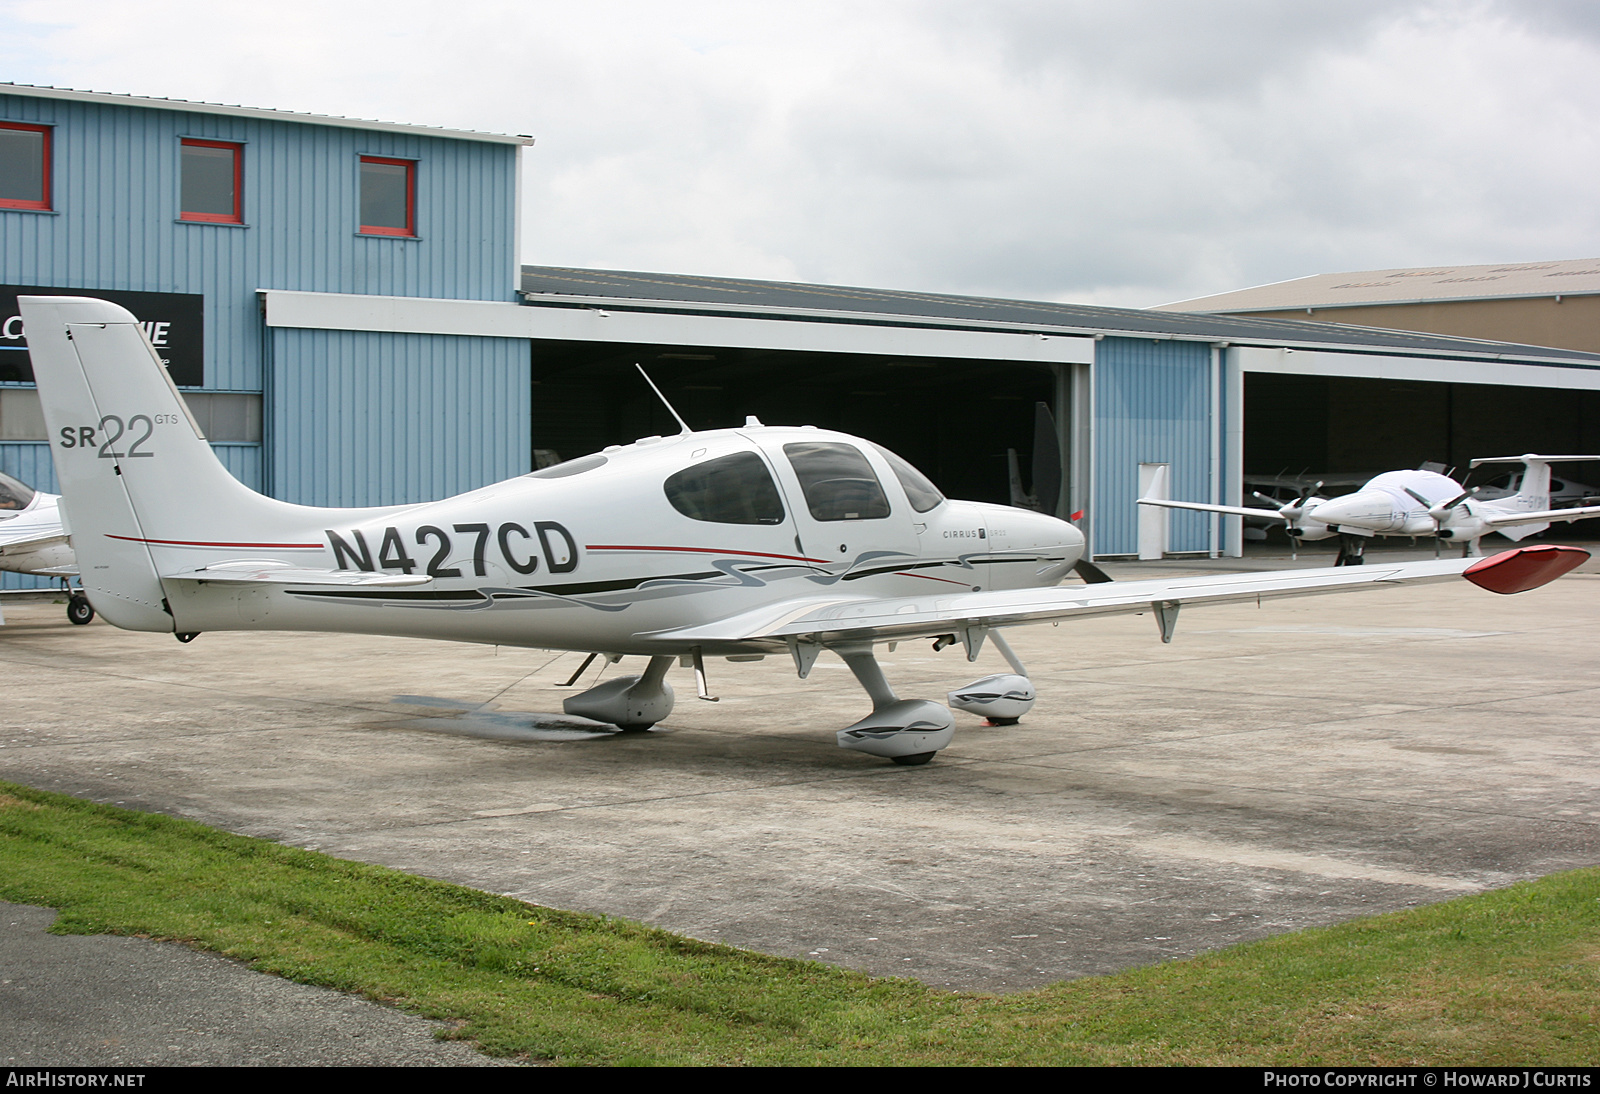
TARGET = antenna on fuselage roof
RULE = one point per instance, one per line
(662, 397)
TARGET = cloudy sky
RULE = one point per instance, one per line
(1129, 152)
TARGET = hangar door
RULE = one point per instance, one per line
(955, 419)
(1350, 427)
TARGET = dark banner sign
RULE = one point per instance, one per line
(173, 321)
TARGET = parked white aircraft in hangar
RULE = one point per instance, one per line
(1416, 503)
(733, 542)
(32, 540)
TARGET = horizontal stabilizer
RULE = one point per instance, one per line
(1231, 510)
(255, 571)
(1533, 456)
(28, 546)
(1508, 520)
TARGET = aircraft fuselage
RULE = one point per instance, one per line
(602, 552)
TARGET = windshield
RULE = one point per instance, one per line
(921, 493)
(13, 494)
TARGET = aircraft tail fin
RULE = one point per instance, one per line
(138, 478)
(1532, 496)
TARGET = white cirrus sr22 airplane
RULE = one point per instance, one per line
(732, 543)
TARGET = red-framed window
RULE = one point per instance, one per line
(388, 197)
(211, 182)
(24, 166)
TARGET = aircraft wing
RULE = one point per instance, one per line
(838, 619)
(23, 550)
(1233, 510)
(1507, 520)
(268, 572)
(21, 544)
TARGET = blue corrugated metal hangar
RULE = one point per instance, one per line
(344, 307)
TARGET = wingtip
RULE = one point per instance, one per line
(1525, 568)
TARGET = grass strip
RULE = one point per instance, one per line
(1501, 978)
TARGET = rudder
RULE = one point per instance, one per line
(136, 472)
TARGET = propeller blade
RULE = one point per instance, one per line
(1297, 509)
(1046, 460)
(1439, 512)
(1091, 574)
(1019, 497)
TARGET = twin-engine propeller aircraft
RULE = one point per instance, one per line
(734, 542)
(1417, 503)
(32, 540)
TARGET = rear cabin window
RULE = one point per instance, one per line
(736, 489)
(838, 482)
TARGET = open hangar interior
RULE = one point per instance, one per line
(954, 419)
(1298, 425)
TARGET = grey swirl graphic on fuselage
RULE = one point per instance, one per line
(727, 573)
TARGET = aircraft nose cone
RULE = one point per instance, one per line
(1372, 509)
(1054, 539)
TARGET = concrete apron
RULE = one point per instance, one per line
(1274, 768)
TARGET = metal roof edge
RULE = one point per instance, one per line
(811, 315)
(1378, 303)
(1173, 304)
(764, 311)
(39, 91)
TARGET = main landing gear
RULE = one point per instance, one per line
(908, 732)
(1350, 549)
(631, 703)
(79, 611)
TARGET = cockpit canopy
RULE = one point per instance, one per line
(14, 495)
(836, 478)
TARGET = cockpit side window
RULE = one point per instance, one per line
(736, 489)
(838, 482)
(13, 494)
(921, 493)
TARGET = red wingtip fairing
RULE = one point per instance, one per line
(1525, 568)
